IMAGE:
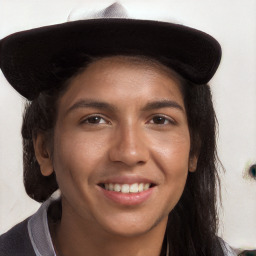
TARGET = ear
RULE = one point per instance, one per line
(43, 156)
(192, 165)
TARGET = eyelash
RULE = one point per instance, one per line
(161, 117)
(85, 121)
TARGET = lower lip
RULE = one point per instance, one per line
(128, 198)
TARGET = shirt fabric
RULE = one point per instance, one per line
(32, 237)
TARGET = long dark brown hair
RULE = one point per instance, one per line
(192, 224)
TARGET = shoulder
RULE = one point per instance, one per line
(16, 241)
(227, 250)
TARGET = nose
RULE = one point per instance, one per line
(129, 146)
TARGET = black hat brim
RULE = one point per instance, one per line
(26, 57)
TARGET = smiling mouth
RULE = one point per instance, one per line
(127, 188)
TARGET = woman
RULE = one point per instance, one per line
(120, 119)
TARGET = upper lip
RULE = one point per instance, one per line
(126, 180)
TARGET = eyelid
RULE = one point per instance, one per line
(84, 119)
(168, 118)
(106, 119)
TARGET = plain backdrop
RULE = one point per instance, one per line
(233, 24)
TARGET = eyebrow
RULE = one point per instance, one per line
(92, 104)
(165, 103)
(109, 107)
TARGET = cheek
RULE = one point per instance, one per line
(171, 151)
(78, 155)
(171, 155)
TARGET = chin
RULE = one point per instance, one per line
(134, 227)
(129, 232)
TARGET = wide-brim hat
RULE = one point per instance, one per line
(27, 58)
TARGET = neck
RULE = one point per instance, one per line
(75, 236)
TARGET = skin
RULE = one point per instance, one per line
(93, 144)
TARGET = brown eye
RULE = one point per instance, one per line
(160, 120)
(95, 120)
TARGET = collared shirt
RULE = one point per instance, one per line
(39, 232)
(40, 238)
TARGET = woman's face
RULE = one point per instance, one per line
(121, 125)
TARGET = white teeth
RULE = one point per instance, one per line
(146, 186)
(110, 187)
(141, 187)
(126, 188)
(134, 188)
(117, 188)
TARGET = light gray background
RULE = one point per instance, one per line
(233, 24)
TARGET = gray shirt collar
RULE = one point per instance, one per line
(41, 239)
(39, 231)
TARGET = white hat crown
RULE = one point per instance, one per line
(115, 10)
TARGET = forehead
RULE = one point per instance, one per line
(117, 77)
(143, 62)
